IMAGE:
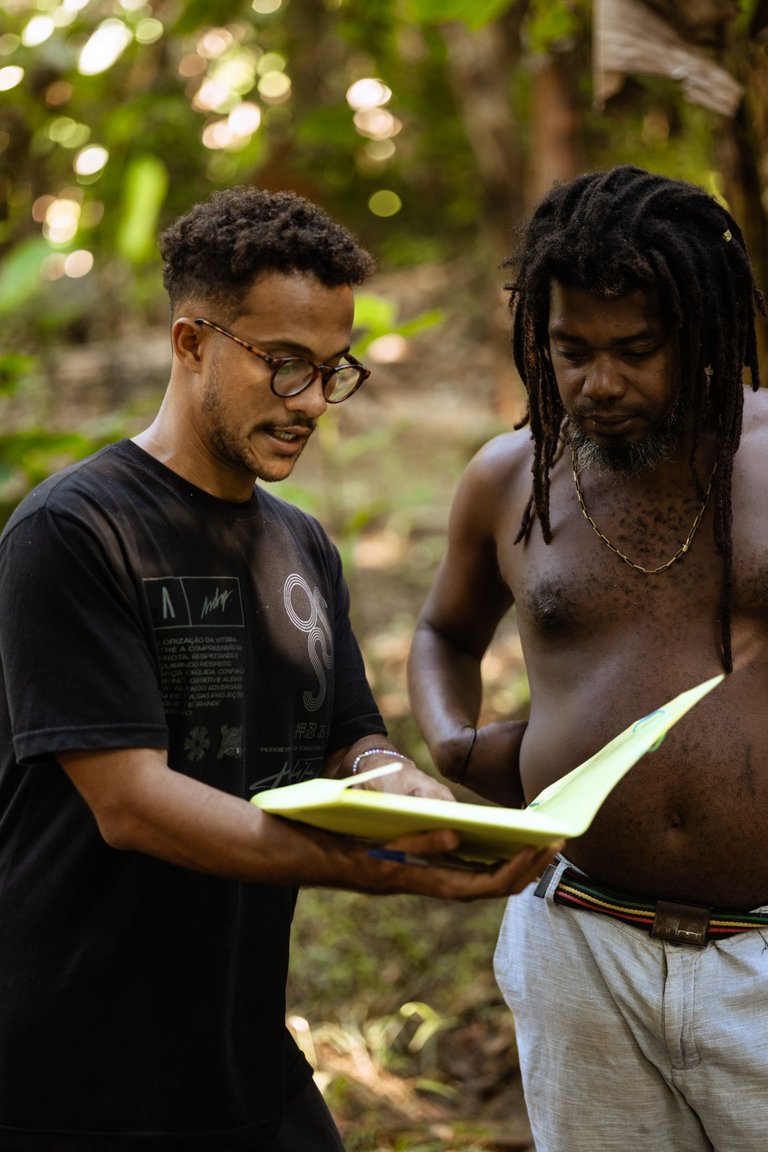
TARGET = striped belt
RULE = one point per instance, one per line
(679, 923)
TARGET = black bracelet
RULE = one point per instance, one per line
(465, 767)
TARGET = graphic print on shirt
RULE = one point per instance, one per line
(199, 629)
(204, 651)
(307, 611)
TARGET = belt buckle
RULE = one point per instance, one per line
(681, 923)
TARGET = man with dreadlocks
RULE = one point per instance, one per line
(624, 520)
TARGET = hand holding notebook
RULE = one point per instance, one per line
(563, 810)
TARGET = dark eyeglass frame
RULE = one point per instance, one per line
(326, 372)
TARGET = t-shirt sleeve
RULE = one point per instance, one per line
(77, 657)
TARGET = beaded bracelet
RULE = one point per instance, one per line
(373, 751)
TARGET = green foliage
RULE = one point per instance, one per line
(473, 13)
(376, 316)
(552, 22)
(20, 273)
(14, 367)
(376, 957)
(746, 11)
(157, 107)
(146, 183)
(347, 508)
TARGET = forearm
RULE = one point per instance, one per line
(493, 767)
(141, 805)
(445, 684)
(446, 691)
(147, 807)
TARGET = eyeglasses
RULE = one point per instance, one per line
(292, 374)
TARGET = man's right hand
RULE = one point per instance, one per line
(425, 878)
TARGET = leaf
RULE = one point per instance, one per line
(423, 322)
(14, 366)
(551, 22)
(375, 312)
(146, 183)
(376, 316)
(20, 273)
(435, 1088)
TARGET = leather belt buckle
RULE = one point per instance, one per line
(544, 879)
(681, 923)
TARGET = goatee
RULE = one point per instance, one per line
(618, 456)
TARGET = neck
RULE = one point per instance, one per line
(184, 455)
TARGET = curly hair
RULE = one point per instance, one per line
(613, 233)
(217, 249)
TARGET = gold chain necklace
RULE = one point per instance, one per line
(638, 567)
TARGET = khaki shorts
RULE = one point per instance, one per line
(627, 1041)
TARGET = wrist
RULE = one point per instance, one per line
(359, 762)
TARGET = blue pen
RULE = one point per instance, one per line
(456, 863)
(399, 857)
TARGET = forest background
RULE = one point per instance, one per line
(430, 127)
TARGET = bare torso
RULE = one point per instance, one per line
(605, 644)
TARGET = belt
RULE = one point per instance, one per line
(679, 923)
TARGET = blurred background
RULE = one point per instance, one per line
(429, 127)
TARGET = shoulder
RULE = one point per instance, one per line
(509, 450)
(64, 490)
(492, 495)
(500, 473)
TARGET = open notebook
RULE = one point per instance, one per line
(564, 809)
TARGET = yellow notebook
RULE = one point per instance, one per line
(563, 810)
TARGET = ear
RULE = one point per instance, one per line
(187, 342)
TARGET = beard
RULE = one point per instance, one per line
(228, 447)
(237, 445)
(621, 457)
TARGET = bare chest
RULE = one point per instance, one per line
(646, 568)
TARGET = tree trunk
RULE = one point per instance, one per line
(742, 160)
(515, 168)
(555, 136)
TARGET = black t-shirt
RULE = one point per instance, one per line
(142, 1004)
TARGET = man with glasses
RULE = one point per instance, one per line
(174, 640)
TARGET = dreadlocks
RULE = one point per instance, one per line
(612, 233)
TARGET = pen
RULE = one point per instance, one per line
(438, 861)
(400, 857)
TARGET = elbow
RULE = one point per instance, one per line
(451, 754)
(119, 830)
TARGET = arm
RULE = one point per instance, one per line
(142, 805)
(465, 604)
